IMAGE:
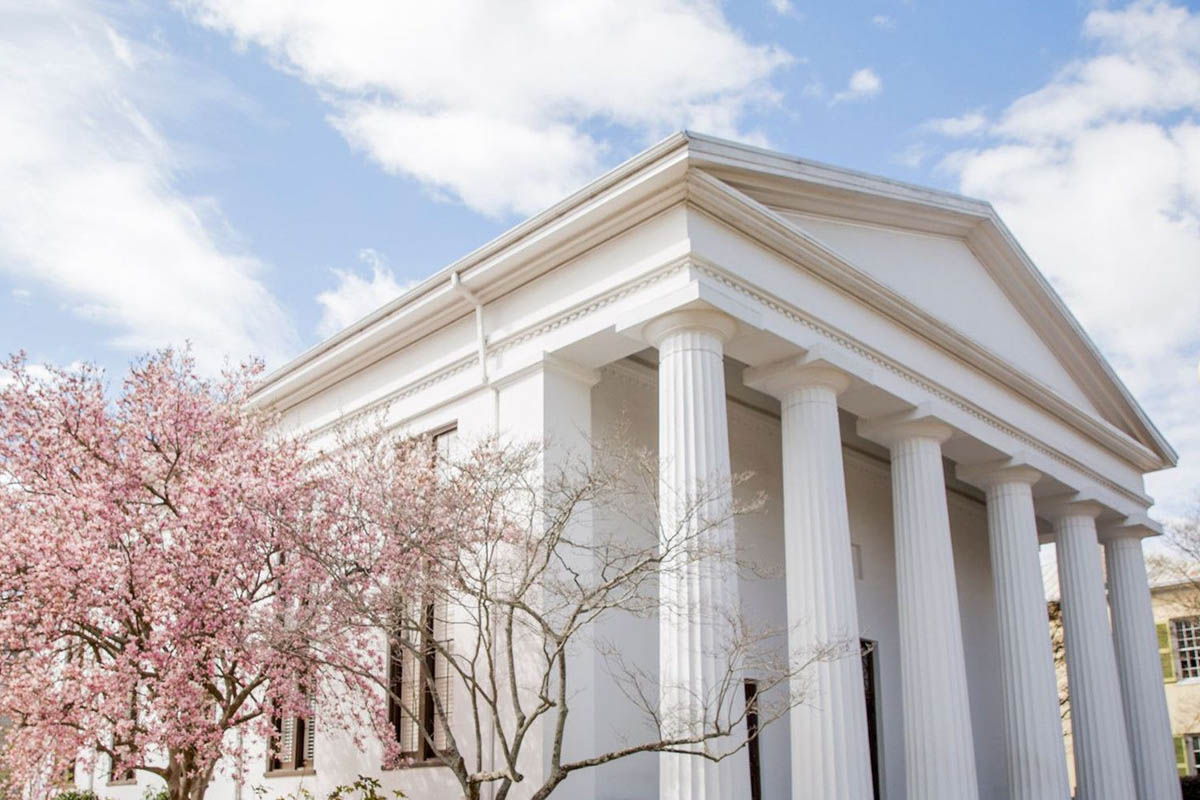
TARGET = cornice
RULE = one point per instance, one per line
(777, 180)
(728, 206)
(844, 340)
(757, 297)
(562, 233)
(1036, 299)
(673, 172)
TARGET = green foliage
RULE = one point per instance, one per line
(160, 793)
(76, 794)
(363, 788)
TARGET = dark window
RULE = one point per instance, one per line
(419, 683)
(868, 667)
(419, 672)
(293, 743)
(752, 740)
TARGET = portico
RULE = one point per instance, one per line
(829, 750)
(919, 410)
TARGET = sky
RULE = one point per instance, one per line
(251, 176)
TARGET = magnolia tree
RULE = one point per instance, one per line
(144, 592)
(522, 570)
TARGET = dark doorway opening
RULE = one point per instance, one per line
(752, 740)
(868, 649)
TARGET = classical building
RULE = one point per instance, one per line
(921, 410)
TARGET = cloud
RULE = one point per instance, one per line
(90, 208)
(863, 83)
(498, 109)
(883, 21)
(786, 8)
(1098, 174)
(355, 296)
(964, 125)
(914, 155)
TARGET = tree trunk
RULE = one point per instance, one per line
(185, 781)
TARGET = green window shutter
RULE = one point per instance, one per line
(1164, 651)
(1181, 759)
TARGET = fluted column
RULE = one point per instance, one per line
(1146, 718)
(1035, 757)
(698, 583)
(830, 754)
(939, 749)
(1102, 764)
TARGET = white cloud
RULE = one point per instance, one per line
(863, 83)
(966, 124)
(494, 107)
(914, 155)
(355, 296)
(1098, 174)
(89, 207)
(782, 7)
(883, 21)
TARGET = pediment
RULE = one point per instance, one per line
(939, 274)
(951, 258)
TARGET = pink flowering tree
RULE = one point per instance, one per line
(145, 597)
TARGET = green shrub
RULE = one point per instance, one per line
(76, 794)
(363, 788)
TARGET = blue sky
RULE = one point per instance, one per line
(253, 174)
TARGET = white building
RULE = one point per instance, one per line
(921, 408)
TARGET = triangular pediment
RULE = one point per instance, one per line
(940, 275)
(949, 256)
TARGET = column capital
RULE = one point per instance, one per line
(1138, 526)
(704, 319)
(918, 423)
(783, 377)
(995, 473)
(1064, 506)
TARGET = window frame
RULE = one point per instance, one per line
(300, 761)
(427, 660)
(1186, 654)
(428, 680)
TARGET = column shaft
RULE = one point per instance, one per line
(1036, 758)
(939, 750)
(830, 752)
(1102, 765)
(1147, 721)
(698, 586)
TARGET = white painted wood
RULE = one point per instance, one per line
(829, 749)
(698, 590)
(1103, 770)
(938, 741)
(1034, 752)
(1140, 670)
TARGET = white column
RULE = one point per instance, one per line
(698, 585)
(939, 749)
(1147, 721)
(1035, 757)
(830, 754)
(1102, 765)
